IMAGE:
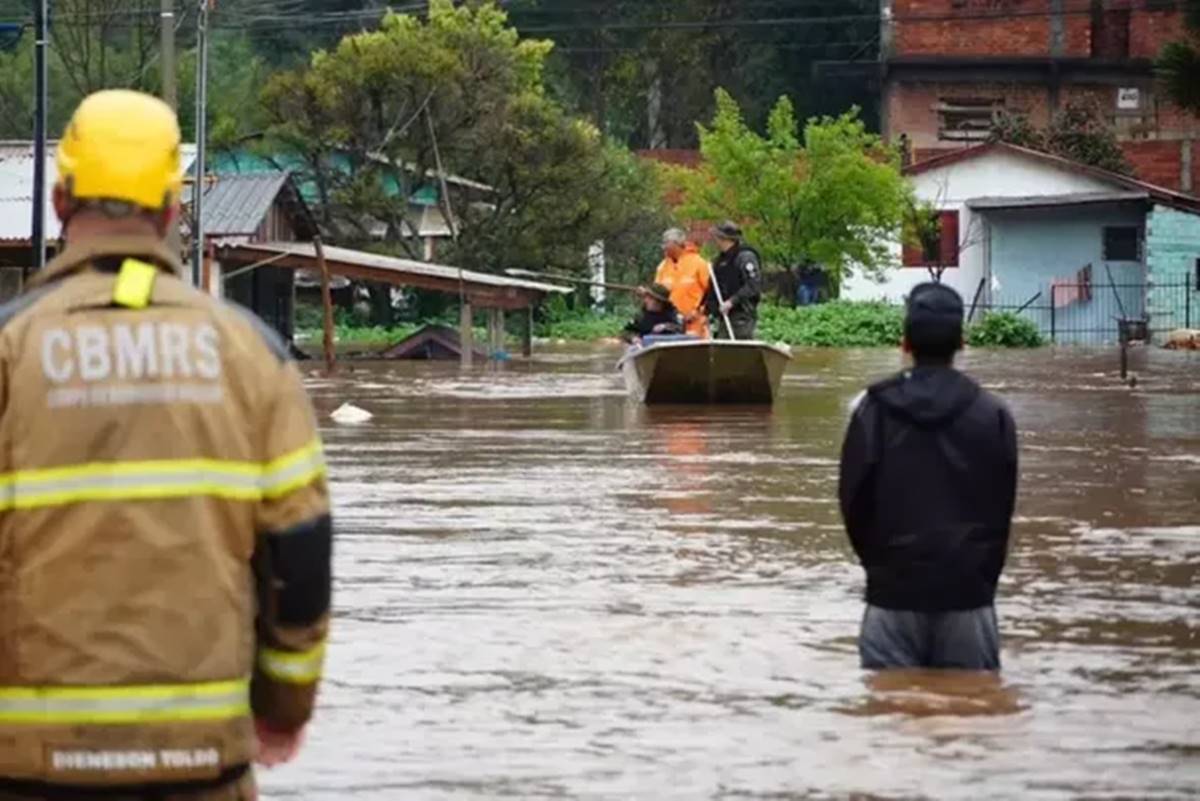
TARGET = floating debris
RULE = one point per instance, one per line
(350, 414)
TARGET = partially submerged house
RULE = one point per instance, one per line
(1070, 246)
(249, 209)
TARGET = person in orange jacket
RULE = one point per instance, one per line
(685, 273)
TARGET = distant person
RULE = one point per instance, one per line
(738, 273)
(686, 274)
(928, 483)
(658, 316)
(809, 280)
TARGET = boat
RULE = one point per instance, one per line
(689, 370)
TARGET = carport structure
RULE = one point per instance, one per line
(494, 293)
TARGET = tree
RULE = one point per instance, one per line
(1078, 132)
(938, 246)
(1178, 65)
(836, 199)
(644, 71)
(388, 112)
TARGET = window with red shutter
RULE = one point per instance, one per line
(948, 223)
(913, 255)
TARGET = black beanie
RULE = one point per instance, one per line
(934, 322)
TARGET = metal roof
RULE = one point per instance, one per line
(484, 289)
(1168, 197)
(236, 205)
(16, 188)
(1044, 201)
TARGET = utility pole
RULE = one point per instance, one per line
(169, 92)
(38, 227)
(201, 136)
(167, 58)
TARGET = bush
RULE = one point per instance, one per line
(839, 324)
(1004, 330)
(558, 321)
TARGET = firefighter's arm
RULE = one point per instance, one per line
(292, 561)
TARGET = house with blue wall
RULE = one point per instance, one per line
(1069, 246)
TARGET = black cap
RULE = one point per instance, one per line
(727, 230)
(934, 323)
(659, 292)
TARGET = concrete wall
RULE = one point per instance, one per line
(1172, 253)
(1032, 248)
(995, 174)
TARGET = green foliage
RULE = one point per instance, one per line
(1004, 330)
(1079, 132)
(461, 90)
(559, 321)
(644, 71)
(836, 198)
(1178, 72)
(840, 324)
(1178, 65)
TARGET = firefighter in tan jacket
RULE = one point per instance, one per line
(165, 535)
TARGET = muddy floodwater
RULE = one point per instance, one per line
(546, 591)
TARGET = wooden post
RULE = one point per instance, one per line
(206, 282)
(327, 303)
(466, 335)
(495, 332)
(527, 333)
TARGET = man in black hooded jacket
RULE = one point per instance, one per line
(927, 487)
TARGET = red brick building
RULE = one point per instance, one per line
(950, 65)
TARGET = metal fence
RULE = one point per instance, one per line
(1090, 314)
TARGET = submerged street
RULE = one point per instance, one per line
(546, 591)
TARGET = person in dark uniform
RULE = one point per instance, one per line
(738, 274)
(927, 488)
(659, 315)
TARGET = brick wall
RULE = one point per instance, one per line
(1021, 27)
(1156, 162)
(1150, 30)
(971, 27)
(910, 106)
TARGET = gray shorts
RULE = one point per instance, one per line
(895, 638)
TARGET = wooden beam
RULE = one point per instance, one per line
(466, 334)
(500, 297)
(327, 304)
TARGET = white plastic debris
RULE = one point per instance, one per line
(350, 414)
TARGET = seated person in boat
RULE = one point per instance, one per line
(658, 316)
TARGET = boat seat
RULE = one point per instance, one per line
(657, 339)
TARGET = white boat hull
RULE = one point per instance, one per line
(709, 371)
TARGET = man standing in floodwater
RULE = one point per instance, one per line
(927, 487)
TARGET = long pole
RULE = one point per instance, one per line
(170, 92)
(200, 170)
(712, 276)
(326, 306)
(167, 59)
(38, 227)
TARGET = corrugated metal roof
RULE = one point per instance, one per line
(236, 205)
(401, 271)
(16, 188)
(1045, 201)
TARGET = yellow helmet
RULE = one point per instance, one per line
(122, 145)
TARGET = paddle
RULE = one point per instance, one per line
(568, 280)
(712, 276)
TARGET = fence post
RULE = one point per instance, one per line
(1187, 300)
(1053, 315)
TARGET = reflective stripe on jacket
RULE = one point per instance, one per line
(165, 536)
